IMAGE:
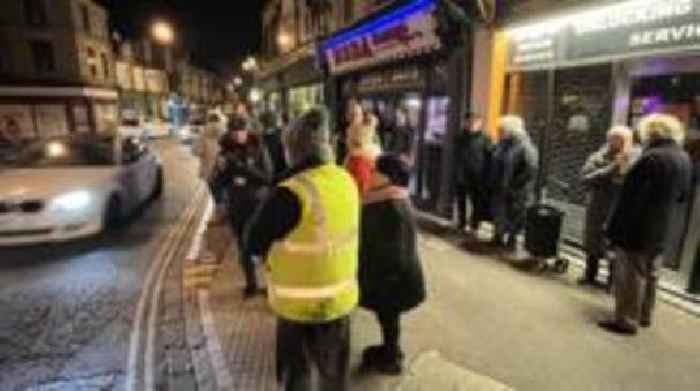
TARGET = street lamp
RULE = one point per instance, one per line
(163, 32)
(284, 40)
(255, 95)
(250, 64)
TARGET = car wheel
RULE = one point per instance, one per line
(158, 186)
(114, 214)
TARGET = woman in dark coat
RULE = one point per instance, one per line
(390, 273)
(513, 173)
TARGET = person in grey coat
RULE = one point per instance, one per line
(603, 175)
(513, 172)
(643, 218)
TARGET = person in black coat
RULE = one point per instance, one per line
(243, 173)
(397, 137)
(641, 224)
(472, 159)
(390, 273)
(272, 135)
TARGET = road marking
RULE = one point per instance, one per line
(141, 310)
(224, 379)
(150, 354)
(196, 247)
(200, 277)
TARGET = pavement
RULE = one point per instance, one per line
(488, 324)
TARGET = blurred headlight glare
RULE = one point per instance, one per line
(76, 200)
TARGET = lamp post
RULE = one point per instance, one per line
(163, 34)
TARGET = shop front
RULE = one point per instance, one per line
(395, 66)
(295, 86)
(575, 76)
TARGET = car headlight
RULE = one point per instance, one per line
(75, 201)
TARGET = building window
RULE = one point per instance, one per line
(43, 56)
(105, 65)
(85, 17)
(35, 12)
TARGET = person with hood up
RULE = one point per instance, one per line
(363, 146)
(603, 175)
(390, 273)
(513, 173)
(641, 224)
(308, 232)
(244, 171)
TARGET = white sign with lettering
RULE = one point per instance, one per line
(411, 35)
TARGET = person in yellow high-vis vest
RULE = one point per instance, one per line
(308, 230)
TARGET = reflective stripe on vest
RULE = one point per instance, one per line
(323, 292)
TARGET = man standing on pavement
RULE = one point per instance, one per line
(244, 170)
(641, 222)
(308, 230)
(473, 157)
(603, 176)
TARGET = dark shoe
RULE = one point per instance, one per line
(497, 241)
(371, 356)
(586, 281)
(249, 292)
(390, 363)
(617, 328)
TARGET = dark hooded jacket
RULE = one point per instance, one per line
(243, 171)
(473, 159)
(390, 274)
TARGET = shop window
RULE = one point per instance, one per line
(581, 112)
(35, 13)
(43, 56)
(85, 17)
(582, 117)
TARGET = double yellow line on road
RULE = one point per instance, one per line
(147, 313)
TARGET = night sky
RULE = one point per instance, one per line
(218, 31)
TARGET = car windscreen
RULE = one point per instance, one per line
(66, 153)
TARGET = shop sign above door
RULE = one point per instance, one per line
(404, 32)
(630, 28)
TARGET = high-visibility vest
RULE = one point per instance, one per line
(312, 273)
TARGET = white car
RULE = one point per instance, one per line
(66, 188)
(132, 127)
(157, 129)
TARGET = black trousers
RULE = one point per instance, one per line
(479, 205)
(239, 216)
(301, 346)
(389, 322)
